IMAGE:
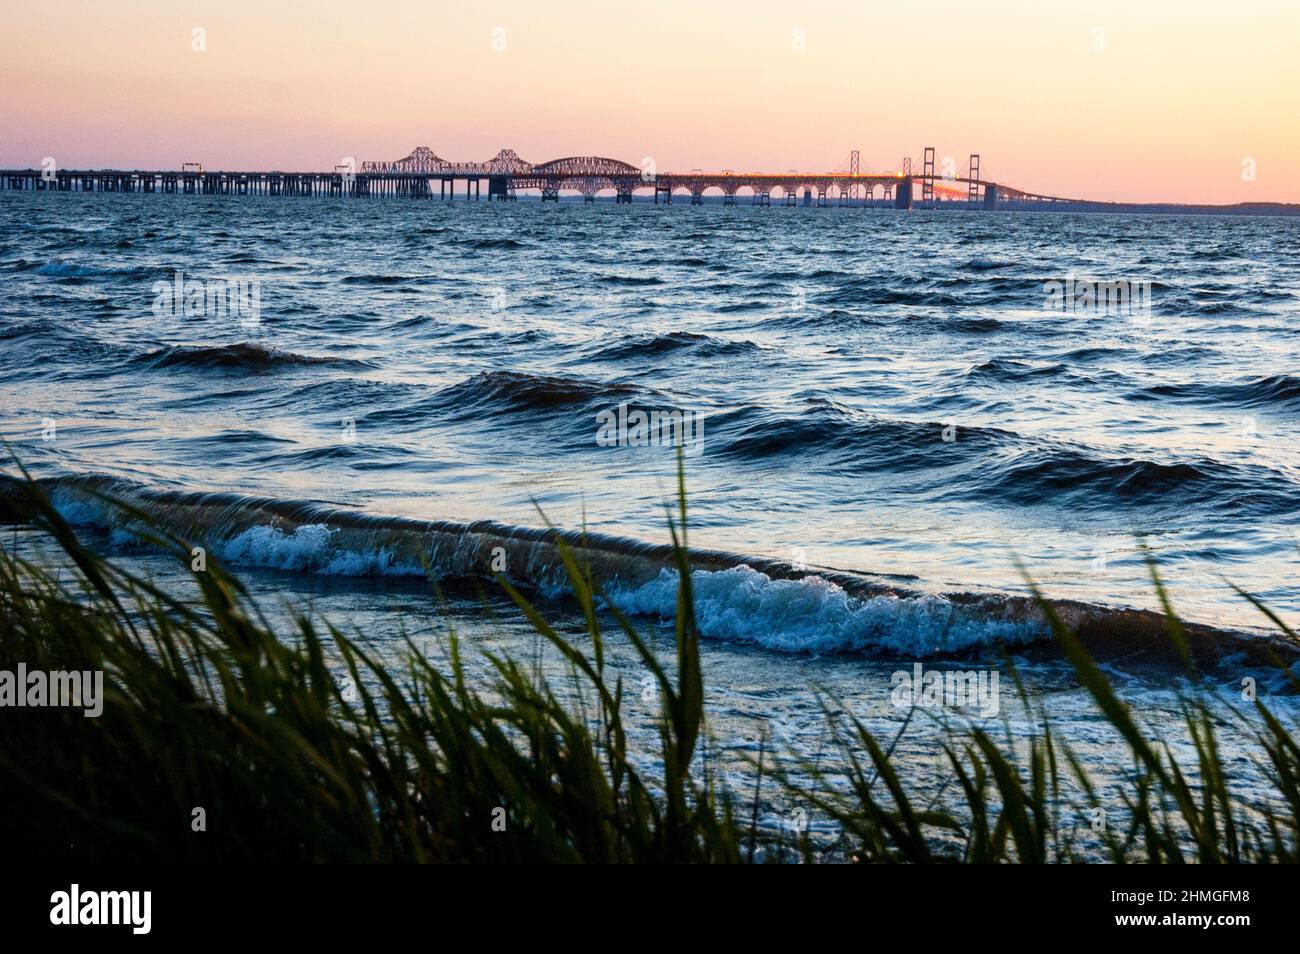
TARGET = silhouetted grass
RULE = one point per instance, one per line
(207, 706)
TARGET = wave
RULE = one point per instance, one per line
(66, 269)
(1006, 370)
(521, 390)
(245, 355)
(1091, 353)
(631, 281)
(873, 292)
(961, 461)
(1066, 474)
(834, 319)
(382, 279)
(735, 307)
(862, 441)
(640, 346)
(980, 264)
(814, 614)
(1275, 390)
(35, 347)
(490, 244)
(738, 597)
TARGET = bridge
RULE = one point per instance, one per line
(506, 174)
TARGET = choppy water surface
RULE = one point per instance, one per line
(880, 393)
(474, 345)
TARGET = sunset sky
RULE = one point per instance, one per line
(1109, 100)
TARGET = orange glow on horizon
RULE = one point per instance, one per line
(1171, 100)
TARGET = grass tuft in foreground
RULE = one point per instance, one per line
(206, 706)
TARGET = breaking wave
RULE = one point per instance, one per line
(739, 597)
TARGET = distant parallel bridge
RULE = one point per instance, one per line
(421, 173)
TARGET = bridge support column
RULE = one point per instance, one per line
(990, 197)
(497, 188)
(903, 194)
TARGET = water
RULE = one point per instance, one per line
(881, 393)
(474, 345)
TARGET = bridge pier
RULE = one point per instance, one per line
(990, 197)
(903, 194)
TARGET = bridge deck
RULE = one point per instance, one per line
(898, 188)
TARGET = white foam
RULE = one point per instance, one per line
(815, 615)
(810, 614)
(308, 548)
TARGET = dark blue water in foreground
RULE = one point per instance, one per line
(878, 391)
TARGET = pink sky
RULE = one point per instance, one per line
(1159, 100)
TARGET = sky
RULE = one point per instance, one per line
(1156, 100)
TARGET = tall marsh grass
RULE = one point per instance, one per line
(209, 707)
